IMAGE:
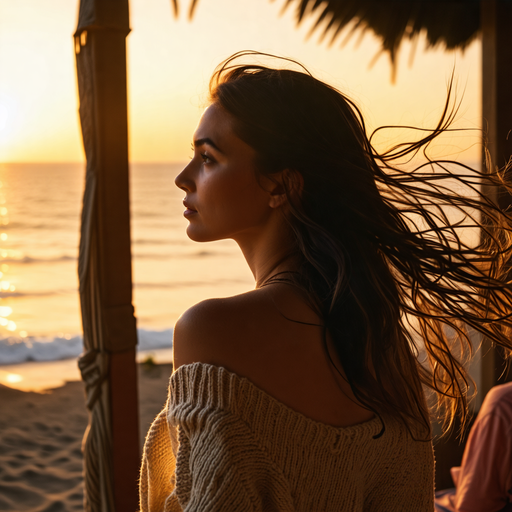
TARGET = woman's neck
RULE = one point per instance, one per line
(269, 253)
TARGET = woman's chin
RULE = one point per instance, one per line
(197, 235)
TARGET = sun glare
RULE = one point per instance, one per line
(167, 85)
(8, 114)
(10, 378)
(38, 120)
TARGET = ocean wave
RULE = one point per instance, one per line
(15, 350)
(63, 223)
(153, 241)
(183, 255)
(29, 260)
(165, 286)
(15, 295)
(187, 284)
(152, 256)
(144, 214)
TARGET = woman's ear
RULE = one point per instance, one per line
(277, 195)
(290, 180)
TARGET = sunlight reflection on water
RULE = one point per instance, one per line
(38, 279)
(40, 213)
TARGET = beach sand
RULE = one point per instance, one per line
(41, 436)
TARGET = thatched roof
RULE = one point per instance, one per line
(452, 23)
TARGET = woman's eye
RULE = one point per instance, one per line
(206, 158)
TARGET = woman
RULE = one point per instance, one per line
(306, 393)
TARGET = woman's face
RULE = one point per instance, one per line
(224, 198)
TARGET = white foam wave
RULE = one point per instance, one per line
(14, 350)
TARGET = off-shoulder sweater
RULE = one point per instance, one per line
(221, 444)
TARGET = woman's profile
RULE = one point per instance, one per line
(308, 393)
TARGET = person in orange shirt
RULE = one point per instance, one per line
(483, 483)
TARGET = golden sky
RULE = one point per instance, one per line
(169, 64)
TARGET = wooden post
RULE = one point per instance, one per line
(113, 217)
(101, 52)
(496, 19)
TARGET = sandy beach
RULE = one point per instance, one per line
(40, 442)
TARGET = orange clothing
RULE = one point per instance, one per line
(483, 483)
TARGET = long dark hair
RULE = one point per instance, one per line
(381, 261)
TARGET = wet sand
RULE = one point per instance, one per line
(40, 442)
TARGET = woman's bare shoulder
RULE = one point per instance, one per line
(213, 329)
(273, 338)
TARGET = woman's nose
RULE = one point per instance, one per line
(184, 179)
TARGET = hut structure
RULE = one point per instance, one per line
(111, 450)
(111, 444)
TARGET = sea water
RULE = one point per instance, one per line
(40, 208)
(40, 322)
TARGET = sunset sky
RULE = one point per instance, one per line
(170, 61)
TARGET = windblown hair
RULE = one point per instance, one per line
(382, 260)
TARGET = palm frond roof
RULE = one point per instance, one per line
(452, 23)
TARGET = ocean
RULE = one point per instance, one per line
(40, 326)
(40, 208)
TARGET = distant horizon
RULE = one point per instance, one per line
(471, 161)
(66, 162)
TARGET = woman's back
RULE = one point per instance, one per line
(274, 339)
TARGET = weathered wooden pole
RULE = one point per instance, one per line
(111, 447)
(496, 20)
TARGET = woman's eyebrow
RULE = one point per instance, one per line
(206, 140)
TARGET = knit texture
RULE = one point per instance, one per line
(222, 444)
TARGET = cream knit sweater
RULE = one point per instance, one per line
(223, 445)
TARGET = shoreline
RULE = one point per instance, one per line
(40, 441)
(42, 376)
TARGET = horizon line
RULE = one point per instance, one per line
(70, 162)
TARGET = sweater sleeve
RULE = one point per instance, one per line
(221, 468)
(157, 480)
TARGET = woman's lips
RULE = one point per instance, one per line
(189, 210)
